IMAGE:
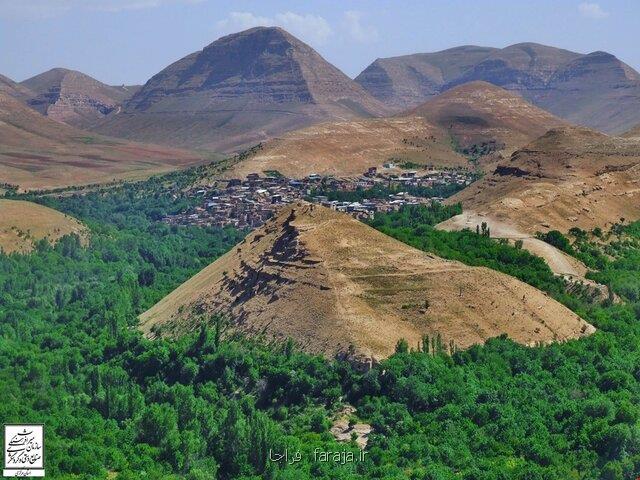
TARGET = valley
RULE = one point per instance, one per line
(249, 203)
(242, 263)
(37, 153)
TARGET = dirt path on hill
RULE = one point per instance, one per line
(559, 262)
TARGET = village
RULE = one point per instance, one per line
(249, 203)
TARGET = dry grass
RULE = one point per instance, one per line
(39, 153)
(349, 148)
(334, 285)
(23, 223)
(479, 112)
(467, 115)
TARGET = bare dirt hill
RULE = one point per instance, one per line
(478, 117)
(479, 113)
(37, 152)
(335, 286)
(72, 97)
(241, 89)
(349, 148)
(24, 223)
(569, 177)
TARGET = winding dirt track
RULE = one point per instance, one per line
(559, 262)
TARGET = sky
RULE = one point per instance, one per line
(128, 41)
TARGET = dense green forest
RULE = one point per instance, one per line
(204, 406)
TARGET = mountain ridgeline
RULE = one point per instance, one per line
(596, 90)
(254, 85)
(72, 97)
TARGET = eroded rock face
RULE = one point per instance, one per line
(569, 177)
(520, 67)
(73, 97)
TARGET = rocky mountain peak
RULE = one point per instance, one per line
(239, 90)
(72, 97)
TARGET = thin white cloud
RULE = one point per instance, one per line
(238, 21)
(53, 8)
(592, 10)
(357, 30)
(311, 28)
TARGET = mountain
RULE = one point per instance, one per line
(520, 67)
(37, 152)
(127, 91)
(349, 148)
(406, 81)
(481, 116)
(596, 90)
(569, 177)
(73, 97)
(14, 89)
(24, 223)
(473, 118)
(241, 89)
(362, 291)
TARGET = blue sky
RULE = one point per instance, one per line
(127, 41)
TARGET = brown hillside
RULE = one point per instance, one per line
(37, 152)
(349, 148)
(9, 87)
(633, 133)
(597, 89)
(73, 97)
(24, 223)
(478, 113)
(569, 177)
(240, 90)
(335, 285)
(409, 80)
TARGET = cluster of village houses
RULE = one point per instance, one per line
(249, 203)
